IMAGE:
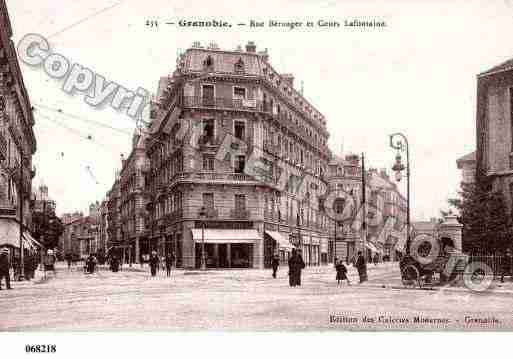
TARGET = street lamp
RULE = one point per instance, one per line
(203, 215)
(401, 145)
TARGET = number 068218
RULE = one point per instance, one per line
(45, 348)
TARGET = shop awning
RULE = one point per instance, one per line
(283, 242)
(226, 235)
(31, 240)
(371, 247)
(10, 234)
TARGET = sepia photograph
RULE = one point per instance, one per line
(276, 166)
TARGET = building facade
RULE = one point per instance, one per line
(17, 140)
(81, 235)
(494, 125)
(384, 211)
(215, 116)
(132, 202)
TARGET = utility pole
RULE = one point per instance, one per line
(364, 210)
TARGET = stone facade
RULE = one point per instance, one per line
(385, 210)
(494, 122)
(132, 201)
(234, 95)
(17, 140)
(81, 234)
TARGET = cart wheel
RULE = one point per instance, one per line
(411, 276)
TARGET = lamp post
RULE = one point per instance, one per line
(20, 199)
(401, 145)
(203, 215)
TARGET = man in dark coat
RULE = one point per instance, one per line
(154, 263)
(114, 263)
(275, 263)
(361, 266)
(169, 263)
(4, 268)
(296, 264)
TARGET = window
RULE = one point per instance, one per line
(208, 64)
(239, 66)
(208, 200)
(338, 205)
(240, 202)
(208, 94)
(239, 93)
(240, 163)
(208, 130)
(239, 129)
(208, 162)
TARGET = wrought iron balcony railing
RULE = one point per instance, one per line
(239, 213)
(223, 102)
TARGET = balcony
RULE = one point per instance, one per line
(239, 214)
(223, 103)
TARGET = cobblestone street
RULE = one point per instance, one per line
(239, 300)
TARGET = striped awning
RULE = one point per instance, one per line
(282, 241)
(226, 235)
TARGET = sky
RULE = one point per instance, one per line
(416, 76)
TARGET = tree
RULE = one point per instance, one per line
(47, 228)
(486, 223)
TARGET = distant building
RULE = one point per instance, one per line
(467, 165)
(81, 233)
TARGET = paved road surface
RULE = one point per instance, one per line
(242, 300)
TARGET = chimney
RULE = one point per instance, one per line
(251, 47)
(123, 160)
(289, 78)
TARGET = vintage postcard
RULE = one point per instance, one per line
(265, 166)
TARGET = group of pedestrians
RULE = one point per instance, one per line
(297, 264)
(155, 263)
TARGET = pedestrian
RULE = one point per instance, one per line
(114, 263)
(275, 263)
(506, 265)
(341, 272)
(49, 262)
(69, 259)
(154, 263)
(169, 263)
(296, 264)
(90, 264)
(376, 259)
(361, 266)
(4, 268)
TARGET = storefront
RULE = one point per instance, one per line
(225, 248)
(281, 244)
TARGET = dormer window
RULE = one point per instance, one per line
(208, 64)
(239, 66)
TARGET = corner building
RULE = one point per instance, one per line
(218, 112)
